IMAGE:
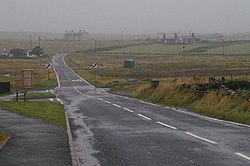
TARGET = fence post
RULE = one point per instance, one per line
(17, 95)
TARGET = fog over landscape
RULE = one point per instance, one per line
(129, 16)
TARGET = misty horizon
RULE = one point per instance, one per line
(127, 16)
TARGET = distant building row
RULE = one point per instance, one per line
(188, 39)
(81, 35)
(182, 39)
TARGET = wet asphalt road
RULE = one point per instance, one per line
(33, 143)
(115, 130)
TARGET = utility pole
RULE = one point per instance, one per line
(30, 43)
(39, 41)
(122, 38)
(95, 45)
(223, 47)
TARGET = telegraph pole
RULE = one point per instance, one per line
(39, 41)
(95, 45)
(122, 38)
(223, 47)
(30, 43)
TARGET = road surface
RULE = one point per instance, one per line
(113, 130)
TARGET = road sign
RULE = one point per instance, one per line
(94, 65)
(48, 66)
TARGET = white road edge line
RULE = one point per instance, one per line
(243, 156)
(163, 124)
(116, 105)
(201, 138)
(145, 117)
(128, 110)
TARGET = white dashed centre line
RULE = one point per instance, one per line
(145, 117)
(128, 110)
(243, 156)
(116, 105)
(201, 138)
(107, 102)
(163, 124)
(100, 99)
(51, 99)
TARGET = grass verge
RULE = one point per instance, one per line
(38, 95)
(4, 137)
(47, 112)
(213, 104)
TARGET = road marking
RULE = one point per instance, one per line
(78, 91)
(100, 99)
(76, 80)
(51, 99)
(47, 91)
(163, 124)
(224, 121)
(143, 102)
(128, 110)
(116, 105)
(243, 156)
(59, 100)
(75, 73)
(153, 104)
(201, 138)
(145, 117)
(107, 102)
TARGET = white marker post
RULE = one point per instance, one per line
(94, 65)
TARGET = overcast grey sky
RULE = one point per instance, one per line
(129, 16)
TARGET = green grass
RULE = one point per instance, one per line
(31, 95)
(45, 111)
(198, 48)
(235, 48)
(46, 84)
(155, 48)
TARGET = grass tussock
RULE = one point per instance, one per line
(4, 136)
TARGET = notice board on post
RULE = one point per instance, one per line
(27, 78)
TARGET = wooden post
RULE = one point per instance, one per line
(24, 95)
(17, 95)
